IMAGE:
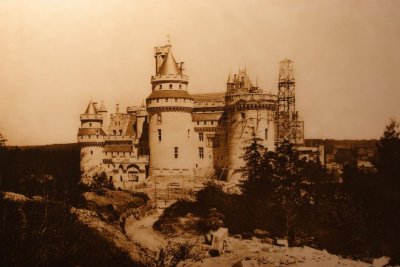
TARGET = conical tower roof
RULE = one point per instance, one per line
(91, 109)
(230, 79)
(102, 107)
(169, 65)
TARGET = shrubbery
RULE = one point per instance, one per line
(298, 199)
(47, 234)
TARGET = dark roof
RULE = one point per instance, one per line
(91, 131)
(118, 148)
(170, 94)
(206, 116)
(209, 97)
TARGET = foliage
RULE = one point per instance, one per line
(174, 253)
(47, 234)
(101, 182)
(300, 200)
(54, 173)
(388, 156)
(2, 140)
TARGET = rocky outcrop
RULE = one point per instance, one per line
(113, 233)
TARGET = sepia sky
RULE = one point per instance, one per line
(56, 55)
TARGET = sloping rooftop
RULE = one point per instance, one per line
(102, 108)
(91, 131)
(91, 109)
(209, 97)
(169, 65)
(206, 116)
(118, 148)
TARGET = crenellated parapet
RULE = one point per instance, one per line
(161, 78)
(91, 117)
(171, 109)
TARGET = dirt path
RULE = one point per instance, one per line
(141, 231)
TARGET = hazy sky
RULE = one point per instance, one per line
(56, 55)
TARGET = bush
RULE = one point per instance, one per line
(101, 182)
(47, 234)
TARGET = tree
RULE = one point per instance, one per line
(2, 140)
(388, 155)
(252, 172)
(288, 184)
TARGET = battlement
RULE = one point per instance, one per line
(233, 98)
(170, 78)
(132, 109)
(120, 137)
(91, 117)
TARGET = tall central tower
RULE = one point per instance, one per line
(170, 107)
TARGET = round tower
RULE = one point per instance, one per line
(250, 114)
(91, 141)
(170, 106)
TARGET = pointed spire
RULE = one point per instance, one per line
(169, 65)
(91, 109)
(230, 79)
(102, 107)
(168, 41)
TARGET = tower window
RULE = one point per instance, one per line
(176, 152)
(188, 133)
(204, 122)
(91, 152)
(180, 86)
(266, 134)
(159, 119)
(160, 86)
(201, 136)
(166, 100)
(201, 152)
(170, 86)
(176, 99)
(159, 135)
(90, 124)
(198, 122)
(158, 100)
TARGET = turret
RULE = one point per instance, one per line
(251, 114)
(91, 139)
(230, 84)
(141, 115)
(170, 109)
(103, 112)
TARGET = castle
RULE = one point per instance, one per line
(179, 134)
